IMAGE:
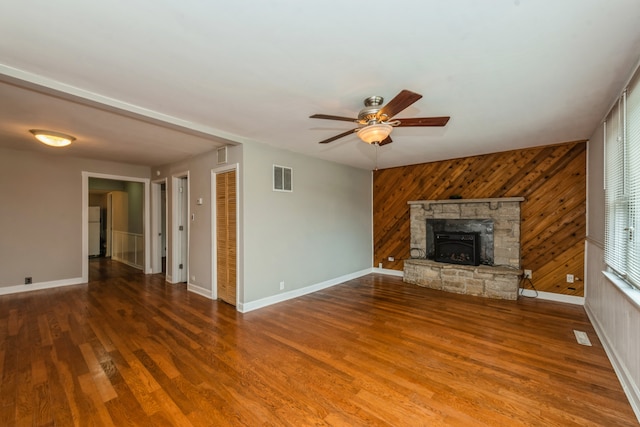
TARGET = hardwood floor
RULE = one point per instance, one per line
(129, 349)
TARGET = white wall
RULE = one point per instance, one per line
(613, 309)
(41, 215)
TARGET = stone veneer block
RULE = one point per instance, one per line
(481, 280)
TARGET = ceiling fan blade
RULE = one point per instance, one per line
(329, 117)
(333, 138)
(397, 104)
(424, 121)
(385, 141)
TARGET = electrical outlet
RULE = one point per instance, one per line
(528, 274)
(379, 265)
(570, 278)
(391, 258)
(28, 280)
(282, 285)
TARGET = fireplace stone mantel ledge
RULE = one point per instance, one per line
(458, 201)
(499, 282)
(492, 269)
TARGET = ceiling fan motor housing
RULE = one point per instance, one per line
(372, 106)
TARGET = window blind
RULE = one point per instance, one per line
(622, 185)
(632, 143)
(616, 216)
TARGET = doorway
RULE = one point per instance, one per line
(159, 226)
(142, 243)
(180, 236)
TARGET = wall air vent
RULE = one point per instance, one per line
(282, 178)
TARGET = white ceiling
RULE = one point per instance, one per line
(152, 82)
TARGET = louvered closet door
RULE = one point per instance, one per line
(226, 236)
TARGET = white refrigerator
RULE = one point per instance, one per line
(94, 230)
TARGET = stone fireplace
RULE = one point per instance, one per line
(498, 274)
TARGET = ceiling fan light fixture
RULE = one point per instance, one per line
(377, 132)
(53, 139)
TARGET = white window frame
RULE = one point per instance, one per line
(622, 186)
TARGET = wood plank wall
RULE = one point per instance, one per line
(552, 179)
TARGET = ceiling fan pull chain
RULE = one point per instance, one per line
(377, 145)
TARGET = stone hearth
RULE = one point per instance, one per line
(498, 281)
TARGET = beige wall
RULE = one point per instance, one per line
(135, 205)
(41, 214)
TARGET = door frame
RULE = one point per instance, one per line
(175, 277)
(108, 224)
(85, 218)
(156, 224)
(214, 243)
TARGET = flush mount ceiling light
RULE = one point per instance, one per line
(375, 133)
(54, 139)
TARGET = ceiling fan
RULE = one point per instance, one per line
(375, 119)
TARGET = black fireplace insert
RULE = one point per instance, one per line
(457, 248)
(481, 226)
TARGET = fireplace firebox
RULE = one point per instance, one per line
(457, 248)
(482, 228)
